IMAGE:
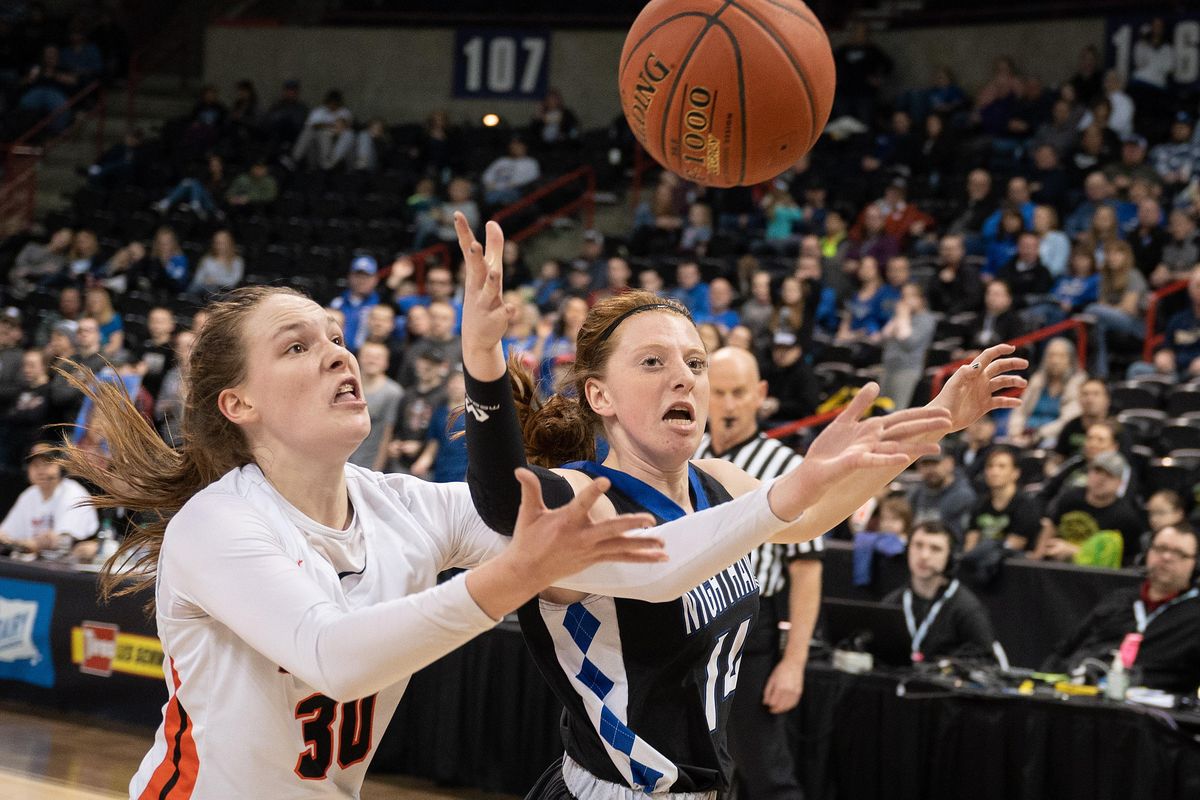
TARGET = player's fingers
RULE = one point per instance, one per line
(861, 402)
(620, 543)
(1007, 382)
(874, 460)
(616, 528)
(914, 450)
(586, 497)
(909, 414)
(992, 353)
(531, 494)
(918, 427)
(1002, 365)
(494, 236)
(466, 237)
(1005, 402)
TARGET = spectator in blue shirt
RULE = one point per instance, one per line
(1180, 354)
(357, 300)
(1071, 293)
(867, 310)
(81, 56)
(1018, 196)
(1099, 191)
(721, 311)
(689, 289)
(444, 457)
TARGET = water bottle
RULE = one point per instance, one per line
(108, 542)
(1118, 679)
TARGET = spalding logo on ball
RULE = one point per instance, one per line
(727, 92)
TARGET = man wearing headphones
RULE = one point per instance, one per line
(945, 619)
(1164, 609)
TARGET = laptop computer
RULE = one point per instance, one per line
(877, 628)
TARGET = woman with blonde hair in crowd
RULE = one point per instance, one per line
(221, 268)
(1052, 398)
(1118, 311)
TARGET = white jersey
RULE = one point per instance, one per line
(65, 511)
(288, 644)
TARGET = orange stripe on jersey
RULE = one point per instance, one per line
(175, 776)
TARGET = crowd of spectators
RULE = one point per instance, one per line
(926, 225)
(45, 60)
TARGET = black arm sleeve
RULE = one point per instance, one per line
(494, 449)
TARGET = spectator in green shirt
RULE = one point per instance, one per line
(254, 188)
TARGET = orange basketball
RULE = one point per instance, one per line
(726, 92)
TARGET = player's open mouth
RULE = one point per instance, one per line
(681, 415)
(347, 392)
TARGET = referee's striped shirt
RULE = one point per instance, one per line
(764, 458)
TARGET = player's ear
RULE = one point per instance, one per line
(235, 406)
(598, 397)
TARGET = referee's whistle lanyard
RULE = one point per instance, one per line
(918, 632)
(1144, 620)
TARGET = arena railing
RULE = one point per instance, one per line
(23, 157)
(1079, 327)
(585, 202)
(1153, 337)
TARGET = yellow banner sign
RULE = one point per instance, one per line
(101, 649)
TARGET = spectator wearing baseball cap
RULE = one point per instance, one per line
(356, 301)
(51, 514)
(1093, 525)
(1175, 160)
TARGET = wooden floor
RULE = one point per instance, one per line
(51, 757)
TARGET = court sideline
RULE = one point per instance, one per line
(56, 757)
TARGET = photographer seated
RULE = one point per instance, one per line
(945, 619)
(49, 517)
(1164, 609)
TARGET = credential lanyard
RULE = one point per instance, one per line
(918, 633)
(1139, 609)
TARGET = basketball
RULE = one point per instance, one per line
(726, 92)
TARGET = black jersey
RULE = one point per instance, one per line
(646, 686)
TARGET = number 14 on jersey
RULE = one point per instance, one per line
(721, 674)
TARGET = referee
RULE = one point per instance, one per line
(769, 681)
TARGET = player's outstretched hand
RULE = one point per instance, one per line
(556, 544)
(971, 391)
(485, 314)
(851, 443)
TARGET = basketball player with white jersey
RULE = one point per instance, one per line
(770, 681)
(296, 593)
(646, 681)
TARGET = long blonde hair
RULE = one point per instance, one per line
(142, 473)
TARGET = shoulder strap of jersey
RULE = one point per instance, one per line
(642, 493)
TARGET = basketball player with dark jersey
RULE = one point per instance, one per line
(771, 680)
(647, 685)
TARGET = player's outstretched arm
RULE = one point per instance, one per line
(221, 558)
(495, 447)
(969, 394)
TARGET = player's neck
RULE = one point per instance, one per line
(318, 491)
(672, 483)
